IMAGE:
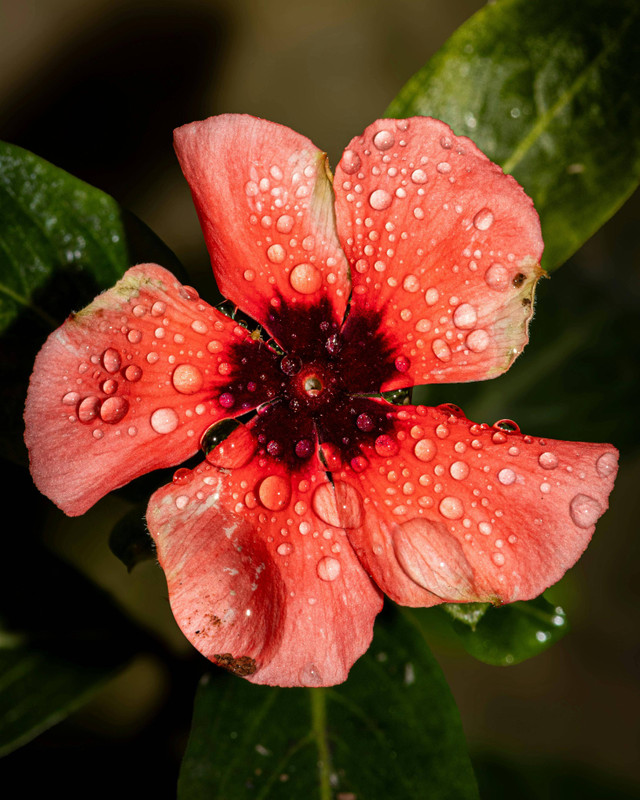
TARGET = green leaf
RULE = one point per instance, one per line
(508, 634)
(130, 540)
(392, 730)
(549, 92)
(61, 243)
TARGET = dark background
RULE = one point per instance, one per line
(96, 87)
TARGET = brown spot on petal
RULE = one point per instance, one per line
(239, 666)
(519, 279)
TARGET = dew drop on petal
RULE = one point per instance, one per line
(477, 341)
(274, 492)
(71, 399)
(497, 277)
(441, 349)
(284, 223)
(506, 476)
(483, 219)
(402, 363)
(310, 675)
(164, 420)
(431, 296)
(459, 470)
(285, 549)
(350, 162)
(585, 510)
(111, 360)
(425, 450)
(187, 379)
(607, 465)
(419, 176)
(133, 373)
(548, 460)
(386, 446)
(465, 316)
(158, 308)
(114, 409)
(380, 199)
(451, 508)
(383, 140)
(88, 409)
(276, 254)
(444, 167)
(328, 568)
(305, 278)
(411, 284)
(485, 528)
(498, 559)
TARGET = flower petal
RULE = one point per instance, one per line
(445, 243)
(128, 385)
(457, 512)
(265, 201)
(258, 582)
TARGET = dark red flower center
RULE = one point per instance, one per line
(315, 385)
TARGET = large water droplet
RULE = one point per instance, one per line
(339, 505)
(548, 460)
(506, 476)
(350, 162)
(187, 379)
(451, 507)
(310, 675)
(585, 510)
(285, 549)
(459, 470)
(411, 284)
(305, 278)
(419, 176)
(607, 465)
(465, 316)
(274, 492)
(276, 254)
(483, 219)
(497, 277)
(111, 360)
(284, 224)
(386, 446)
(328, 568)
(380, 199)
(383, 140)
(88, 409)
(441, 349)
(228, 444)
(133, 373)
(425, 450)
(477, 341)
(114, 409)
(164, 420)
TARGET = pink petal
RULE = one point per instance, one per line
(265, 201)
(127, 385)
(458, 512)
(444, 244)
(258, 582)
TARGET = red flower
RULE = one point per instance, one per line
(417, 264)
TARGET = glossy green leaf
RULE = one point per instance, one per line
(61, 243)
(508, 634)
(549, 92)
(392, 730)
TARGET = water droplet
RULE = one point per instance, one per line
(111, 360)
(451, 507)
(419, 176)
(276, 254)
(304, 448)
(187, 379)
(548, 460)
(497, 277)
(425, 450)
(88, 409)
(274, 448)
(199, 326)
(383, 140)
(477, 341)
(459, 470)
(305, 278)
(444, 168)
(339, 505)
(328, 568)
(402, 363)
(380, 199)
(607, 465)
(411, 284)
(110, 386)
(134, 336)
(133, 373)
(350, 162)
(441, 349)
(71, 399)
(499, 437)
(228, 444)
(114, 409)
(274, 492)
(158, 308)
(483, 219)
(507, 426)
(431, 296)
(249, 275)
(164, 420)
(365, 423)
(310, 675)
(189, 293)
(485, 528)
(506, 476)
(585, 510)
(498, 559)
(284, 223)
(465, 316)
(226, 400)
(285, 549)
(386, 446)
